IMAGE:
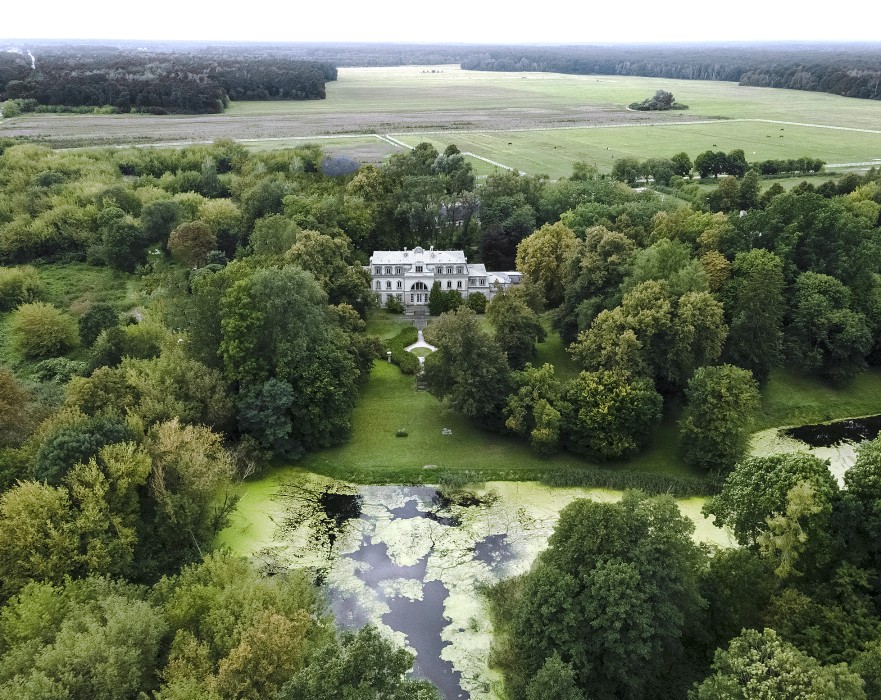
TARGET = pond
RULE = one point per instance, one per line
(836, 441)
(411, 562)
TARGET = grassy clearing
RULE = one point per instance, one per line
(790, 399)
(73, 287)
(382, 324)
(390, 401)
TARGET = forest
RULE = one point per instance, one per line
(815, 68)
(155, 82)
(178, 321)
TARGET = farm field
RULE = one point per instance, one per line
(535, 122)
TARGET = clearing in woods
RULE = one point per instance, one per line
(535, 122)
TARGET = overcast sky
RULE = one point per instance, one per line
(469, 21)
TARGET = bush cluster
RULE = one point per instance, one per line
(407, 361)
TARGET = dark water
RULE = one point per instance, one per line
(422, 621)
(493, 551)
(829, 434)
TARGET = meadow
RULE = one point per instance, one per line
(534, 122)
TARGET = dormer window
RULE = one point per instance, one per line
(377, 270)
(399, 270)
(419, 268)
(388, 270)
(459, 269)
(450, 270)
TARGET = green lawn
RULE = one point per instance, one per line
(790, 399)
(390, 401)
(382, 324)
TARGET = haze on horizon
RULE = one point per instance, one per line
(452, 21)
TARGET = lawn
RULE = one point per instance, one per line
(390, 402)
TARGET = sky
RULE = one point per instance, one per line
(451, 21)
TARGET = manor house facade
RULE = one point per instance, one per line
(408, 275)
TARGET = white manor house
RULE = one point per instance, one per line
(408, 275)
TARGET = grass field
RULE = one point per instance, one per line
(535, 122)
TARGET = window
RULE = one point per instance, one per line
(459, 269)
(458, 284)
(378, 284)
(377, 270)
(450, 270)
(388, 285)
(400, 297)
(399, 285)
(388, 270)
(471, 281)
(483, 281)
(399, 270)
(419, 268)
(449, 284)
(412, 298)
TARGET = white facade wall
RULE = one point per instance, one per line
(409, 275)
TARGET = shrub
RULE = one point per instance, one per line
(407, 361)
(401, 432)
(393, 306)
(40, 330)
(18, 285)
(476, 302)
(98, 317)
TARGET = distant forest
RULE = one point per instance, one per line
(156, 82)
(193, 78)
(839, 70)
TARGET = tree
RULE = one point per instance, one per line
(627, 572)
(596, 268)
(543, 258)
(40, 330)
(36, 543)
(187, 486)
(556, 679)
(18, 285)
(86, 639)
(758, 488)
(681, 164)
(468, 371)
(761, 665)
(275, 323)
(190, 242)
(75, 443)
(609, 414)
(361, 665)
(159, 219)
(16, 421)
(98, 317)
(535, 408)
(264, 411)
(755, 305)
(331, 261)
(715, 425)
(825, 335)
(626, 170)
(517, 327)
(748, 192)
(272, 235)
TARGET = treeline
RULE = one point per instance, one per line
(833, 69)
(157, 83)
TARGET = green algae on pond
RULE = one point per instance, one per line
(413, 563)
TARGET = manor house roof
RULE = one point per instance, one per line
(430, 256)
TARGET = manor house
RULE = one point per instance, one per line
(408, 275)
